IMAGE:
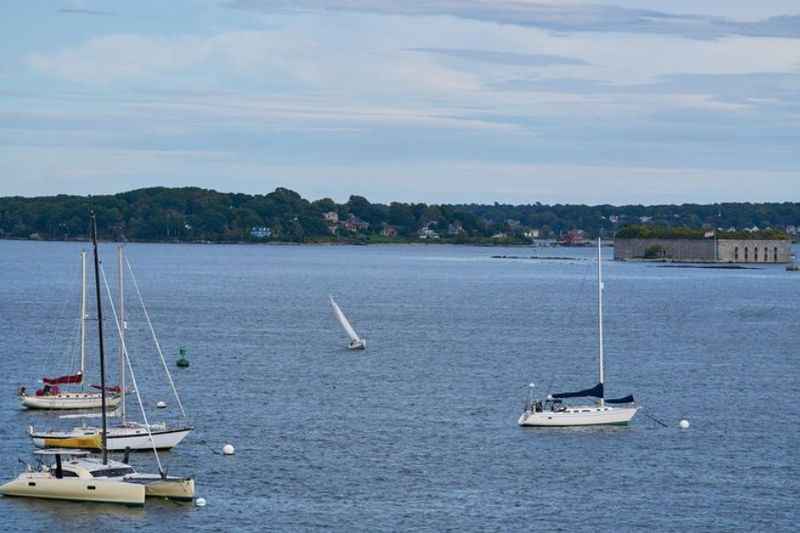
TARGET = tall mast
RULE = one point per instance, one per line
(121, 332)
(100, 337)
(83, 318)
(600, 308)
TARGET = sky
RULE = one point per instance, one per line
(440, 101)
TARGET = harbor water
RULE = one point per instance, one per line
(419, 432)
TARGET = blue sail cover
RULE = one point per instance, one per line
(624, 399)
(596, 391)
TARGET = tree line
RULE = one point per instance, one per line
(192, 214)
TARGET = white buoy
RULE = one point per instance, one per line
(200, 502)
(684, 424)
(228, 449)
(161, 404)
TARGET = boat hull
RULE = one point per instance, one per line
(357, 345)
(44, 485)
(69, 401)
(181, 489)
(119, 439)
(580, 416)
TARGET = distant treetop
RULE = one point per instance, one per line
(192, 214)
(640, 231)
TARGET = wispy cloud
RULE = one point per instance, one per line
(502, 58)
(746, 89)
(272, 59)
(550, 16)
(81, 11)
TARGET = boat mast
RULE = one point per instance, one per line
(83, 319)
(100, 338)
(600, 309)
(121, 333)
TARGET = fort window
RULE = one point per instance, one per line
(766, 254)
(755, 253)
(775, 256)
(736, 253)
(745, 253)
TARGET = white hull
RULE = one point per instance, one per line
(360, 344)
(69, 400)
(45, 485)
(119, 438)
(584, 415)
(137, 439)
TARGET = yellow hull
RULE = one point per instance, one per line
(84, 442)
(44, 485)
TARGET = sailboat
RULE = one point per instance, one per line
(50, 396)
(356, 342)
(85, 478)
(127, 435)
(553, 412)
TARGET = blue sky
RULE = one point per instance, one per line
(421, 100)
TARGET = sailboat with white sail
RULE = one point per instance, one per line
(98, 479)
(50, 396)
(127, 434)
(356, 342)
(553, 412)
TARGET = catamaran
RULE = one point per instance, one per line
(553, 412)
(50, 396)
(92, 479)
(356, 342)
(127, 434)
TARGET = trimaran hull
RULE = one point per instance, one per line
(44, 485)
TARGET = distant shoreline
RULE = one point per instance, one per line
(395, 242)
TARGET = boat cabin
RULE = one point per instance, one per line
(78, 463)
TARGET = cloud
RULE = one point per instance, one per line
(553, 16)
(744, 89)
(502, 58)
(270, 60)
(80, 11)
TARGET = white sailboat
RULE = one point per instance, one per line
(127, 434)
(356, 342)
(50, 396)
(553, 412)
(99, 479)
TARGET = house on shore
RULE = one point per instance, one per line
(699, 246)
(260, 232)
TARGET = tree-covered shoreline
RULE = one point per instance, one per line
(192, 214)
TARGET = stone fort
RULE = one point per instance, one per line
(709, 250)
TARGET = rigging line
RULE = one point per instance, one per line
(130, 368)
(155, 338)
(655, 419)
